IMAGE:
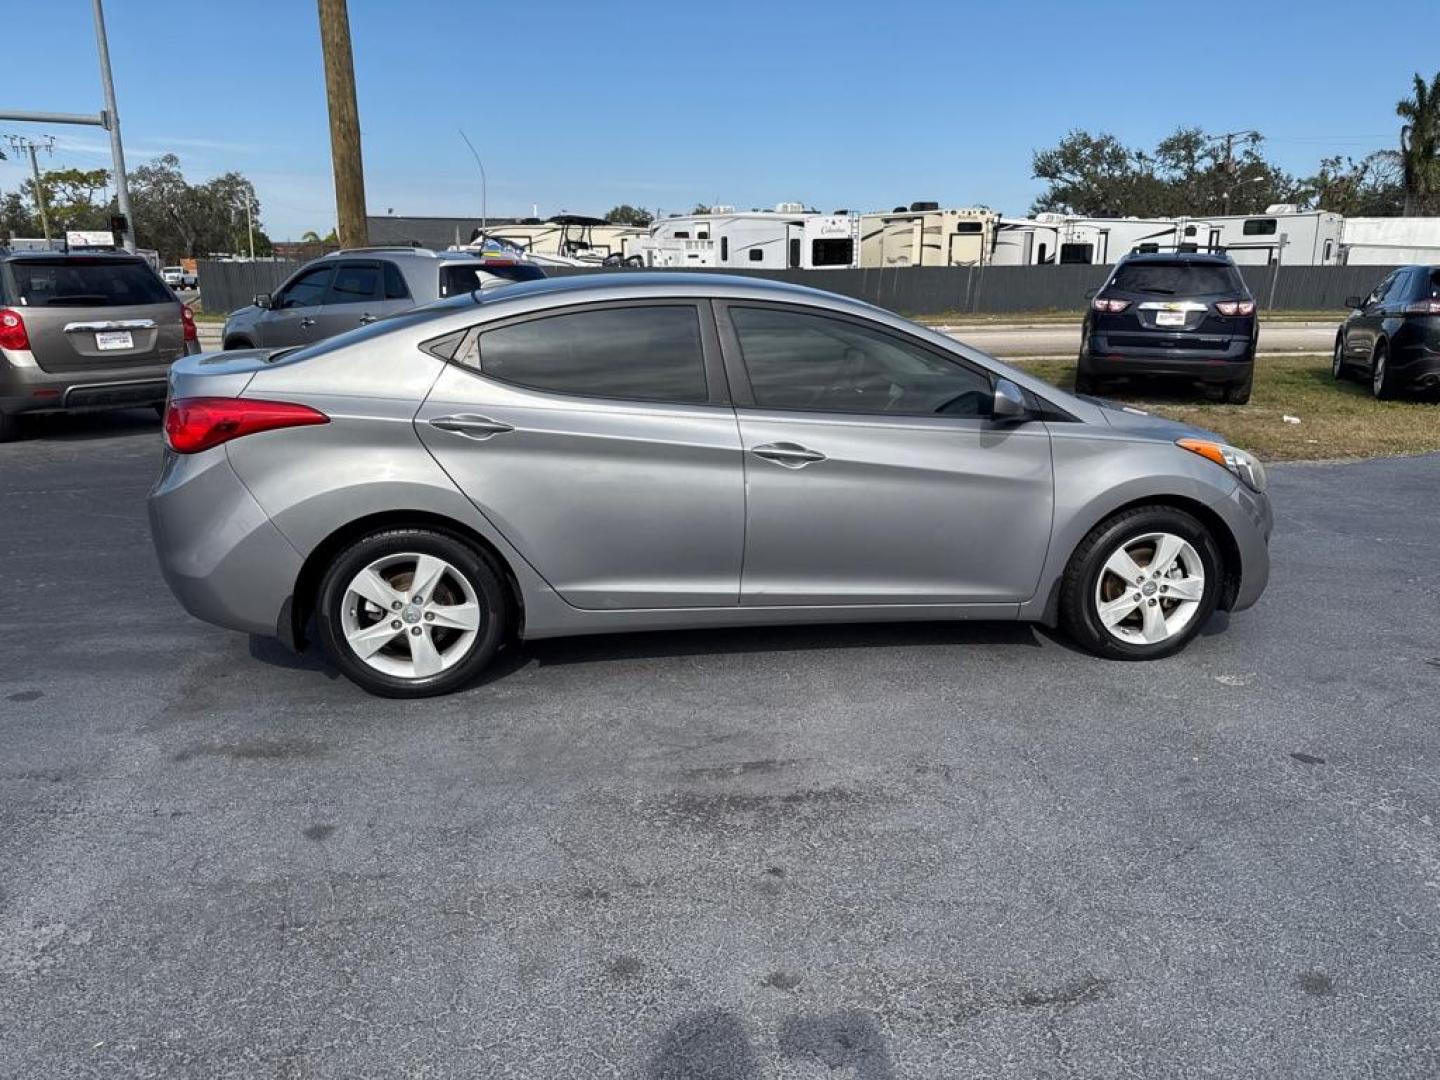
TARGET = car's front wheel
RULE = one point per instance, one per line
(1141, 584)
(411, 612)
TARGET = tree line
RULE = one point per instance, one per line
(1195, 173)
(171, 215)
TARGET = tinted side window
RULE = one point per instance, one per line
(354, 283)
(308, 289)
(640, 353)
(395, 287)
(796, 360)
(464, 278)
(1383, 289)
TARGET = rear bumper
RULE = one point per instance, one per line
(1229, 359)
(26, 387)
(221, 555)
(1417, 367)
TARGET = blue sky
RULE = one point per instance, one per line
(579, 106)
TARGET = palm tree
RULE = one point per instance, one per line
(1420, 141)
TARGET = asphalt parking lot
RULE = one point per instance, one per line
(924, 851)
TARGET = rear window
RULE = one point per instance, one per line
(1176, 279)
(64, 283)
(455, 280)
(641, 353)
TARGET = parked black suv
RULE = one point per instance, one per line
(1393, 335)
(1185, 315)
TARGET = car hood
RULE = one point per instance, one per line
(1129, 418)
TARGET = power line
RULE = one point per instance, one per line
(28, 146)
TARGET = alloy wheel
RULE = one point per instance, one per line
(1150, 588)
(410, 615)
(1377, 376)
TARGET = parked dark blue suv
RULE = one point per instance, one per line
(1186, 315)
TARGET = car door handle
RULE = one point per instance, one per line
(470, 426)
(791, 455)
(307, 321)
(367, 318)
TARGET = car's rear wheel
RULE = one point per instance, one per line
(1238, 393)
(1382, 379)
(411, 612)
(1085, 381)
(1339, 370)
(1142, 584)
(9, 426)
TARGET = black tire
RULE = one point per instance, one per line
(1382, 378)
(636, 262)
(1085, 382)
(1238, 393)
(1078, 613)
(9, 426)
(237, 343)
(1339, 369)
(481, 575)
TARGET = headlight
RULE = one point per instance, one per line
(1244, 465)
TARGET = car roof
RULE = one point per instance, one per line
(88, 256)
(628, 284)
(1200, 258)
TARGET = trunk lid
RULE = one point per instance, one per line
(218, 374)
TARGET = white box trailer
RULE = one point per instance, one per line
(1309, 237)
(1389, 241)
(787, 237)
(925, 235)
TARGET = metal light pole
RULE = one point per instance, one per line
(484, 193)
(112, 118)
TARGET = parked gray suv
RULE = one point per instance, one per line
(610, 453)
(82, 332)
(355, 287)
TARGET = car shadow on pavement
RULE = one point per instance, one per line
(772, 639)
(79, 427)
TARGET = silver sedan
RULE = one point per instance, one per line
(607, 453)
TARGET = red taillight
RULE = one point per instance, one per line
(1112, 306)
(198, 423)
(1235, 307)
(13, 334)
(187, 320)
(1423, 307)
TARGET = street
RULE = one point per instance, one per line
(910, 851)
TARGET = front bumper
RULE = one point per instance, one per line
(221, 555)
(1251, 521)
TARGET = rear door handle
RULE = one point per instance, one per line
(791, 455)
(471, 426)
(307, 321)
(367, 318)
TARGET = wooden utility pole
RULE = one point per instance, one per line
(344, 124)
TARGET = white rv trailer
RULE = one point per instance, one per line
(925, 235)
(1061, 239)
(1310, 237)
(568, 236)
(787, 237)
(1389, 241)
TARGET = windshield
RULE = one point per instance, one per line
(1177, 279)
(74, 283)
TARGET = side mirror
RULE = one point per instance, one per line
(262, 300)
(1354, 302)
(1009, 405)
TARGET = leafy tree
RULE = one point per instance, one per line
(1420, 142)
(71, 199)
(1186, 173)
(310, 236)
(700, 208)
(15, 217)
(1372, 187)
(625, 214)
